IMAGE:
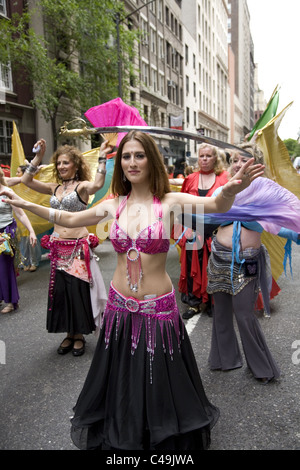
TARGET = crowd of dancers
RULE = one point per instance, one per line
(143, 390)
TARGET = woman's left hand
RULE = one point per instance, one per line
(243, 178)
(105, 149)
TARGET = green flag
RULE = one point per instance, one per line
(268, 113)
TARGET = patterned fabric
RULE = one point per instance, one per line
(220, 277)
(72, 256)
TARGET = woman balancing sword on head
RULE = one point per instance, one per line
(143, 390)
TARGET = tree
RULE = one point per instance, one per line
(73, 66)
(293, 148)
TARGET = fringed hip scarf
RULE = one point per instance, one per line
(161, 310)
(227, 275)
(72, 256)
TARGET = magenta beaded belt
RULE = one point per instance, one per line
(162, 311)
(162, 305)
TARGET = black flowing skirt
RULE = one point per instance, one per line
(69, 307)
(139, 402)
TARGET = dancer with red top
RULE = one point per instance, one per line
(195, 250)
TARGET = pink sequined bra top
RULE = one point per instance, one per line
(152, 239)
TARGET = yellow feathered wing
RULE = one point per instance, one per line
(281, 170)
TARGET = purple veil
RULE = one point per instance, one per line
(264, 201)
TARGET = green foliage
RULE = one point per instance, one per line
(73, 66)
(293, 147)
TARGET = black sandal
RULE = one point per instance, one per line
(79, 351)
(191, 311)
(66, 349)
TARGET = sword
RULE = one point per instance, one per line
(161, 131)
(174, 133)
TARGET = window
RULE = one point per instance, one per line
(187, 115)
(167, 17)
(6, 130)
(160, 47)
(144, 35)
(3, 7)
(153, 7)
(186, 54)
(160, 10)
(187, 84)
(145, 73)
(5, 77)
(161, 84)
(146, 113)
(154, 80)
(169, 52)
(153, 40)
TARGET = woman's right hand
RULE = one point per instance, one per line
(42, 144)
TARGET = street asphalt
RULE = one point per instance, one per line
(38, 387)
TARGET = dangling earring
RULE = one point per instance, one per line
(76, 175)
(124, 177)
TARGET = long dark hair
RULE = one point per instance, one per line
(158, 178)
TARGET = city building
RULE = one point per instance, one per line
(15, 97)
(242, 48)
(194, 71)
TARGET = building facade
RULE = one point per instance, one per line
(15, 97)
(241, 44)
(187, 75)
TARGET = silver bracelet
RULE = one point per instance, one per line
(100, 170)
(31, 169)
(52, 214)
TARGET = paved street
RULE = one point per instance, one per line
(38, 387)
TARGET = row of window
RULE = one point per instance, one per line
(5, 78)
(6, 130)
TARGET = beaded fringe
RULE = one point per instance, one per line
(167, 322)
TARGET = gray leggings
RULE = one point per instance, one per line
(225, 352)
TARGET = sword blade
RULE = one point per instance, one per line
(172, 132)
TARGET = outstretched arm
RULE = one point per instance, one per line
(66, 219)
(223, 201)
(13, 180)
(240, 181)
